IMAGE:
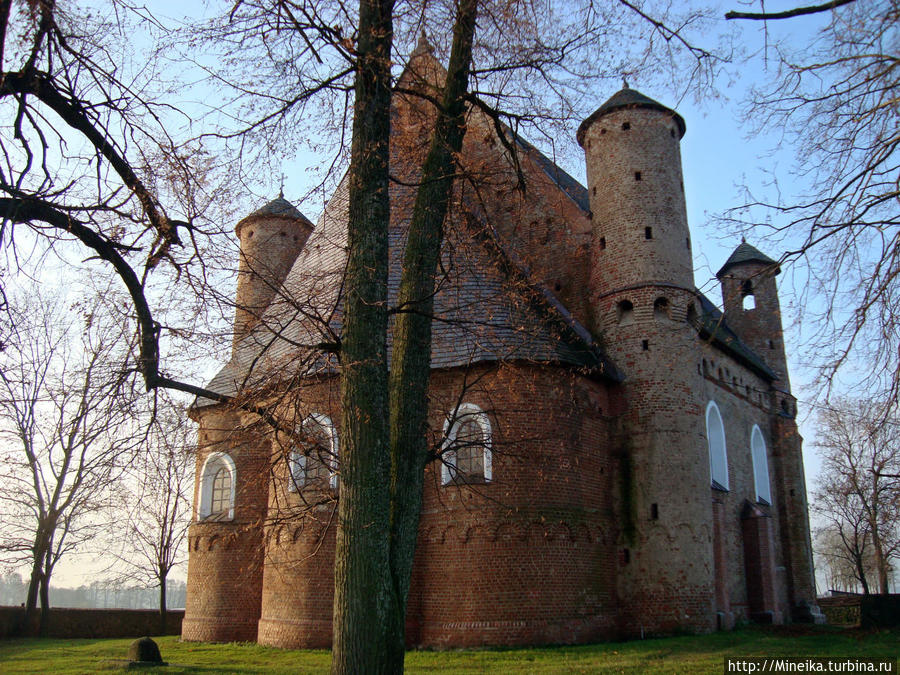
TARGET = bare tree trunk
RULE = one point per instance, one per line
(31, 598)
(411, 360)
(861, 574)
(362, 570)
(37, 581)
(881, 563)
(45, 595)
(162, 603)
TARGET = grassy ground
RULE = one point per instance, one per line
(694, 654)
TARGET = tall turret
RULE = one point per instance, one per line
(636, 189)
(271, 239)
(225, 570)
(642, 292)
(750, 297)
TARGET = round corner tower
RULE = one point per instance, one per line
(642, 299)
(225, 539)
(271, 238)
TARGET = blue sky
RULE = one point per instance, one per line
(719, 156)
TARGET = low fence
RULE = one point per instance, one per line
(841, 610)
(867, 611)
(66, 622)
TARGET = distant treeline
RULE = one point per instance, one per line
(99, 594)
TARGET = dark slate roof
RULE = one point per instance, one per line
(629, 98)
(278, 207)
(575, 190)
(745, 253)
(485, 311)
(711, 325)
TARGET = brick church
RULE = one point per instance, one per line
(613, 455)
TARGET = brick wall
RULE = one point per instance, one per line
(528, 557)
(225, 557)
(93, 623)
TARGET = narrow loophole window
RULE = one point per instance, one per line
(645, 345)
(637, 175)
(625, 312)
(648, 233)
(626, 126)
(654, 511)
(602, 243)
(661, 308)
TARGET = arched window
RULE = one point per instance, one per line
(217, 483)
(760, 466)
(715, 436)
(314, 459)
(748, 300)
(467, 446)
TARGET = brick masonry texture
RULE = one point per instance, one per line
(599, 519)
(93, 623)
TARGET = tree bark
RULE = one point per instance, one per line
(45, 596)
(162, 603)
(31, 599)
(881, 563)
(411, 356)
(362, 575)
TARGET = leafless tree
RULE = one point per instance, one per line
(858, 495)
(836, 101)
(843, 555)
(157, 501)
(66, 431)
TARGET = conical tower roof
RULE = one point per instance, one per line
(745, 253)
(277, 208)
(629, 98)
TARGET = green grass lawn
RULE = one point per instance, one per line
(694, 654)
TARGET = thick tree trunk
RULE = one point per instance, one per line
(31, 599)
(411, 359)
(362, 572)
(45, 604)
(37, 581)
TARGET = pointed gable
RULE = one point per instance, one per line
(744, 253)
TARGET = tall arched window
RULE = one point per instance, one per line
(314, 459)
(760, 466)
(718, 457)
(217, 483)
(467, 446)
